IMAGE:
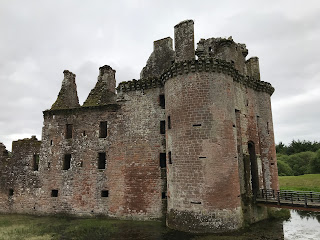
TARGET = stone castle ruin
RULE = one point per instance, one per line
(191, 141)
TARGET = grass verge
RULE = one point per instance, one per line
(307, 182)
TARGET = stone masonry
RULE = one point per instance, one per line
(191, 142)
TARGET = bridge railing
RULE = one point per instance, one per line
(306, 198)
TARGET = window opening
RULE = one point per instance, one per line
(163, 195)
(102, 161)
(253, 168)
(35, 162)
(103, 130)
(162, 127)
(169, 122)
(162, 101)
(69, 128)
(10, 192)
(54, 193)
(66, 161)
(163, 160)
(170, 160)
(104, 193)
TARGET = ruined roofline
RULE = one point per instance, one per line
(112, 107)
(192, 66)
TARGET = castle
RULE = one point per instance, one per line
(191, 141)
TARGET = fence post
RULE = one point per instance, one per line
(278, 196)
(266, 196)
(272, 193)
(291, 199)
(305, 200)
(311, 199)
(262, 191)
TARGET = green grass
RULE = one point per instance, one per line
(307, 182)
(18, 227)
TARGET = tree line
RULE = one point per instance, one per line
(298, 158)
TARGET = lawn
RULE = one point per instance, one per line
(307, 182)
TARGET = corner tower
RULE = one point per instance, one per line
(219, 126)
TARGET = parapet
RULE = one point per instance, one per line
(224, 49)
(104, 91)
(184, 40)
(68, 96)
(160, 59)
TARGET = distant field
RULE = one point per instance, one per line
(307, 182)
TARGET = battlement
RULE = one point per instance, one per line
(140, 84)
(201, 65)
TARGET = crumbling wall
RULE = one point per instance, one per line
(20, 183)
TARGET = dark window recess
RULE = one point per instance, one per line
(51, 142)
(195, 202)
(268, 128)
(104, 193)
(69, 128)
(10, 192)
(84, 133)
(162, 101)
(163, 160)
(102, 161)
(169, 122)
(66, 161)
(202, 157)
(103, 130)
(162, 127)
(35, 162)
(164, 195)
(81, 164)
(54, 193)
(272, 163)
(170, 160)
(197, 125)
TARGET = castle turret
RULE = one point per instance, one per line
(184, 40)
(104, 91)
(68, 97)
(253, 70)
(160, 59)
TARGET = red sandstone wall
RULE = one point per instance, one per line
(203, 180)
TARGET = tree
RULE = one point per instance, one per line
(315, 163)
(284, 169)
(300, 162)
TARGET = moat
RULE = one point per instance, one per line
(301, 225)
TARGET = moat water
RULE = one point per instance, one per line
(301, 226)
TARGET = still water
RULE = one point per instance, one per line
(301, 226)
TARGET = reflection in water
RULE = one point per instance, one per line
(302, 225)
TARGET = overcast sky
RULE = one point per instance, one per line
(40, 39)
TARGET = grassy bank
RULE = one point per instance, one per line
(23, 227)
(307, 182)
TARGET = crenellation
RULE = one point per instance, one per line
(190, 142)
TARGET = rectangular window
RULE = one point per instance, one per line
(102, 161)
(66, 161)
(69, 128)
(164, 195)
(103, 132)
(35, 162)
(163, 160)
(104, 193)
(162, 127)
(169, 122)
(54, 193)
(162, 101)
(10, 192)
(170, 160)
